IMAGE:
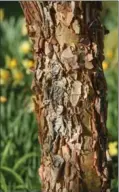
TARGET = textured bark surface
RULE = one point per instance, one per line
(70, 90)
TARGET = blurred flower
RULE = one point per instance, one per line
(105, 65)
(2, 14)
(25, 47)
(3, 99)
(24, 29)
(113, 148)
(18, 76)
(11, 63)
(4, 76)
(109, 54)
(28, 63)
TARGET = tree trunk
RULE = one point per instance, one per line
(70, 94)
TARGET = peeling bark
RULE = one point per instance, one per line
(70, 90)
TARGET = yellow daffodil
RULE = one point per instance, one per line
(25, 47)
(3, 99)
(18, 76)
(109, 54)
(2, 14)
(105, 65)
(28, 63)
(4, 76)
(113, 148)
(24, 29)
(12, 64)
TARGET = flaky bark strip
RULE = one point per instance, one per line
(70, 89)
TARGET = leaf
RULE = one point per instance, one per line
(9, 105)
(3, 183)
(16, 120)
(20, 187)
(23, 159)
(5, 152)
(13, 173)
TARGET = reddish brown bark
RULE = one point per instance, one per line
(70, 89)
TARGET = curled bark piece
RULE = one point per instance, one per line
(75, 93)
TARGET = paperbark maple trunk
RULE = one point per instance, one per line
(70, 94)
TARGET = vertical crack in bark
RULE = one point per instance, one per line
(70, 89)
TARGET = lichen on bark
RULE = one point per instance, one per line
(70, 94)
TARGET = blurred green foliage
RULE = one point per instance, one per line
(19, 144)
(20, 151)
